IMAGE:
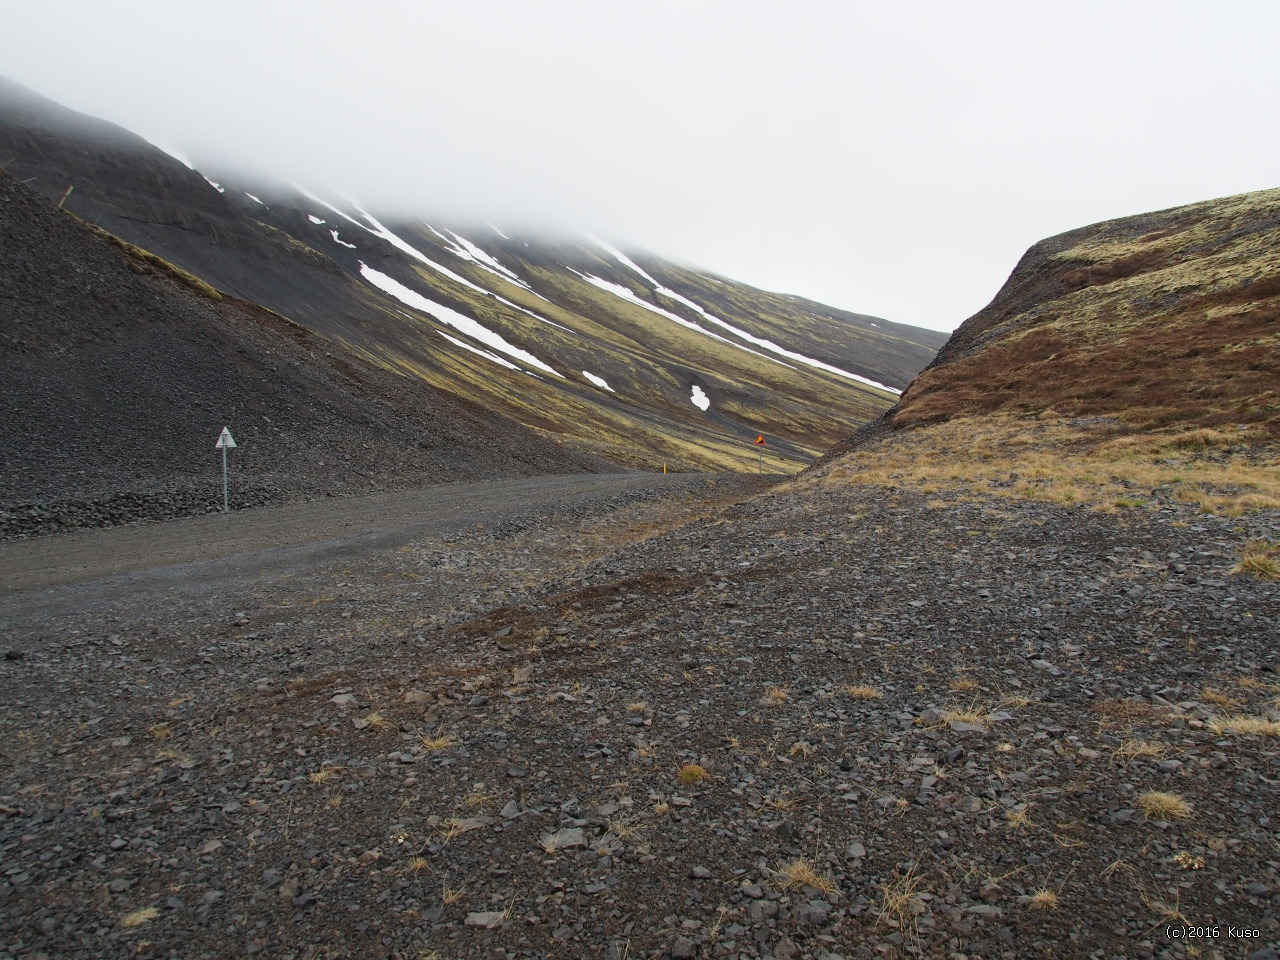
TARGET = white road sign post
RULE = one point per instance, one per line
(225, 443)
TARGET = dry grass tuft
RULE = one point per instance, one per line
(863, 691)
(1133, 749)
(773, 696)
(1018, 818)
(1219, 699)
(639, 706)
(692, 773)
(375, 720)
(416, 865)
(899, 901)
(1159, 805)
(139, 917)
(1260, 559)
(439, 741)
(963, 683)
(975, 714)
(1245, 725)
(161, 731)
(324, 774)
(1043, 899)
(801, 873)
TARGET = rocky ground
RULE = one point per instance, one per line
(814, 724)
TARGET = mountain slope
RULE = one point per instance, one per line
(1164, 319)
(1138, 354)
(524, 325)
(116, 378)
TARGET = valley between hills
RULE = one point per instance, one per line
(995, 676)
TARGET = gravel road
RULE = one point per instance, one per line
(201, 555)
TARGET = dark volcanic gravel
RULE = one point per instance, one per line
(574, 738)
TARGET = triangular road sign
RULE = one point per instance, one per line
(224, 440)
(760, 440)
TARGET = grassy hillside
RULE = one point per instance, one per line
(1121, 363)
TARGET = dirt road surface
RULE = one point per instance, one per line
(75, 572)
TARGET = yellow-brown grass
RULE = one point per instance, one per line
(691, 773)
(863, 691)
(1049, 459)
(1219, 698)
(1018, 818)
(1261, 559)
(898, 900)
(773, 696)
(1245, 725)
(1043, 899)
(138, 917)
(801, 873)
(1133, 749)
(439, 741)
(1159, 805)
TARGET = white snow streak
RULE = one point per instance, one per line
(488, 355)
(739, 332)
(313, 218)
(216, 186)
(598, 381)
(446, 315)
(379, 230)
(349, 246)
(253, 198)
(623, 259)
(626, 293)
(464, 248)
(700, 399)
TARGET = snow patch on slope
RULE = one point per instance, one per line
(739, 332)
(349, 246)
(700, 399)
(623, 259)
(598, 381)
(375, 227)
(627, 294)
(313, 218)
(447, 315)
(487, 354)
(460, 246)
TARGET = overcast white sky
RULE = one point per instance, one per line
(891, 158)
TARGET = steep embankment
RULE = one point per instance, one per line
(644, 361)
(1137, 354)
(117, 372)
